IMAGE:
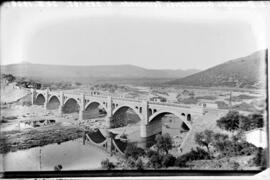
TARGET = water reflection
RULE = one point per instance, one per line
(72, 155)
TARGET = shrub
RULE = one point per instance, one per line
(139, 164)
(133, 151)
(155, 161)
(130, 162)
(168, 160)
(164, 143)
(197, 154)
(106, 164)
(260, 158)
(235, 148)
(150, 153)
(9, 77)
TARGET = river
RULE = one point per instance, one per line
(71, 155)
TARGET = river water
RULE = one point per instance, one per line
(72, 155)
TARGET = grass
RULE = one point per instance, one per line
(11, 141)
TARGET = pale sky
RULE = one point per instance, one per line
(154, 36)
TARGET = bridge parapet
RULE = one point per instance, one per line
(169, 104)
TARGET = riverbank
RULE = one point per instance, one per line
(11, 141)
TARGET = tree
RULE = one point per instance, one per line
(204, 138)
(230, 122)
(251, 121)
(163, 143)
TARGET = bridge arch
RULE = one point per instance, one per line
(53, 102)
(89, 104)
(40, 99)
(127, 106)
(94, 109)
(178, 114)
(122, 114)
(71, 105)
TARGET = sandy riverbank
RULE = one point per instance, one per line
(14, 140)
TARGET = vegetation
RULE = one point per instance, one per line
(251, 121)
(16, 140)
(106, 164)
(109, 87)
(207, 97)
(230, 122)
(133, 151)
(197, 154)
(234, 121)
(244, 107)
(9, 77)
(241, 97)
(204, 138)
(163, 143)
(260, 158)
(222, 105)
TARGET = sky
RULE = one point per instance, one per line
(152, 35)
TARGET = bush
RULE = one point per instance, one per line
(168, 160)
(130, 162)
(260, 158)
(9, 77)
(106, 164)
(133, 151)
(234, 148)
(139, 164)
(163, 143)
(150, 153)
(155, 161)
(197, 154)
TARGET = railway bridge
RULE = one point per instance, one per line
(150, 113)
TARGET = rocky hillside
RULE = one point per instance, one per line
(244, 72)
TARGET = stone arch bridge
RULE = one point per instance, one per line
(147, 111)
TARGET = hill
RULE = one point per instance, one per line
(244, 72)
(85, 73)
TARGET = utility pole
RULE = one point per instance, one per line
(230, 101)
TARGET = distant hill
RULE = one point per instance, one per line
(244, 72)
(85, 73)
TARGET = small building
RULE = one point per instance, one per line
(158, 99)
(210, 105)
(96, 93)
